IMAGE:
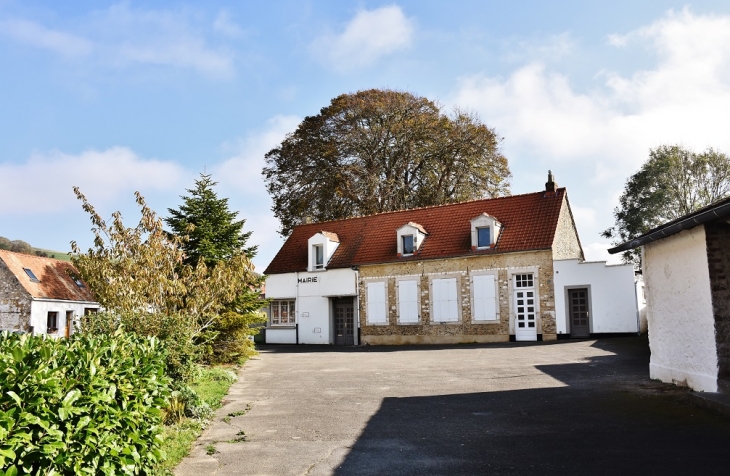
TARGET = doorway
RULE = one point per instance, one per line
(69, 323)
(344, 311)
(578, 312)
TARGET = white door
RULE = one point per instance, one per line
(525, 308)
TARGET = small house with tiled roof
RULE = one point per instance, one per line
(41, 295)
(476, 271)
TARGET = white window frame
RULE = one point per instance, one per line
(291, 319)
(432, 296)
(495, 276)
(511, 288)
(369, 309)
(399, 282)
(317, 249)
(403, 244)
(484, 221)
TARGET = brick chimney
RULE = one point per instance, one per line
(550, 185)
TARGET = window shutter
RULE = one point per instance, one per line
(445, 300)
(376, 303)
(408, 301)
(485, 302)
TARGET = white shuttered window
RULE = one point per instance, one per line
(377, 306)
(444, 300)
(485, 302)
(408, 301)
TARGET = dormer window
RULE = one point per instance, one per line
(410, 238)
(483, 237)
(485, 231)
(408, 244)
(318, 253)
(321, 248)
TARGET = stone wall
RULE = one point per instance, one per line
(426, 332)
(566, 244)
(718, 260)
(14, 302)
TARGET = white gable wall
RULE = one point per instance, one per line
(611, 290)
(679, 310)
(39, 309)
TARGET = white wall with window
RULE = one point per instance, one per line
(485, 231)
(484, 296)
(410, 237)
(303, 301)
(41, 312)
(445, 298)
(409, 299)
(613, 295)
(376, 299)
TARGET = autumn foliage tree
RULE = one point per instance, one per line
(140, 278)
(673, 182)
(382, 150)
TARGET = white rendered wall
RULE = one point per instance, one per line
(679, 311)
(39, 314)
(611, 290)
(312, 292)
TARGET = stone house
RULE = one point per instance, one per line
(476, 271)
(40, 295)
(685, 265)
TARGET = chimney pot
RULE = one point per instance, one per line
(550, 185)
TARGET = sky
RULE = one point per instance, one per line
(118, 97)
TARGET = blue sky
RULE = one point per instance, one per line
(118, 97)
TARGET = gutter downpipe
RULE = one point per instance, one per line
(357, 304)
(296, 324)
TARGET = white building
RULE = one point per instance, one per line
(40, 295)
(686, 265)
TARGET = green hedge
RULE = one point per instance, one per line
(89, 405)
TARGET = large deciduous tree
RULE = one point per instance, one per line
(211, 229)
(674, 181)
(382, 150)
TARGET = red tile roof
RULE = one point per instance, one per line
(55, 280)
(528, 223)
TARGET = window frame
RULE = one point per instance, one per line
(488, 229)
(384, 304)
(473, 292)
(318, 256)
(399, 281)
(291, 316)
(31, 275)
(403, 244)
(52, 317)
(432, 297)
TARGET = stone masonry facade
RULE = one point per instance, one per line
(718, 258)
(15, 302)
(540, 263)
(566, 244)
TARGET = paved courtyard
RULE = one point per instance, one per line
(570, 407)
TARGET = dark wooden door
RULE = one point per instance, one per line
(578, 309)
(344, 321)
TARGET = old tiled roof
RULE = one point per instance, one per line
(416, 226)
(528, 223)
(55, 280)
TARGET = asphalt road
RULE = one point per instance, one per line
(571, 407)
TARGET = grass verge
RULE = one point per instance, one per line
(211, 385)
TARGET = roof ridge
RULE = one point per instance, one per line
(426, 207)
(36, 256)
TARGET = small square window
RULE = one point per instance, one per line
(31, 275)
(318, 256)
(483, 237)
(52, 322)
(407, 244)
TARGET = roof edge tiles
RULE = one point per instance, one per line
(529, 222)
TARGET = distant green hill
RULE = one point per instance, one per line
(60, 255)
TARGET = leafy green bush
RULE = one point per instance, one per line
(89, 405)
(228, 337)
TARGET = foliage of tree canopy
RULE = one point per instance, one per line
(212, 231)
(674, 181)
(382, 150)
(140, 277)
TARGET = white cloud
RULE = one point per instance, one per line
(240, 179)
(370, 35)
(121, 37)
(44, 182)
(595, 138)
(224, 25)
(65, 44)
